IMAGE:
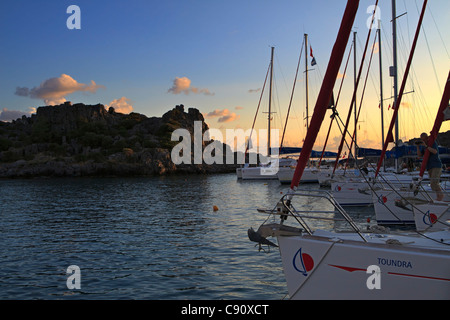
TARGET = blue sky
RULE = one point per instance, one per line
(136, 49)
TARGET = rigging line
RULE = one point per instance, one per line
(407, 23)
(439, 32)
(336, 104)
(356, 86)
(281, 71)
(292, 94)
(257, 109)
(362, 97)
(375, 86)
(402, 88)
(396, 191)
(390, 185)
(277, 95)
(431, 57)
(341, 131)
(326, 89)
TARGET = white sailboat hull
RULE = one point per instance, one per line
(432, 216)
(351, 193)
(285, 175)
(259, 173)
(325, 176)
(356, 192)
(325, 267)
(397, 206)
(391, 208)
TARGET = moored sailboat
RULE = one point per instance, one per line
(322, 264)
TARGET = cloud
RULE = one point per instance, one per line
(54, 90)
(239, 108)
(183, 85)
(217, 113)
(121, 105)
(340, 75)
(254, 90)
(406, 105)
(9, 115)
(224, 115)
(229, 117)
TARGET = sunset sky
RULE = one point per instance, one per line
(148, 56)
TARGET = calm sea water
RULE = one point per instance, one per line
(137, 238)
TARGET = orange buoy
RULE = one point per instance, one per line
(215, 208)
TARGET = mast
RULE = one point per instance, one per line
(355, 88)
(270, 102)
(326, 89)
(306, 81)
(394, 71)
(381, 85)
(402, 89)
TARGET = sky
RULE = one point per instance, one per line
(148, 56)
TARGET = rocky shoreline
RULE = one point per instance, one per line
(88, 140)
(84, 140)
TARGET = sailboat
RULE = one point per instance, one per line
(354, 190)
(311, 174)
(323, 264)
(395, 206)
(269, 170)
(262, 172)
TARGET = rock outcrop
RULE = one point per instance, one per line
(88, 140)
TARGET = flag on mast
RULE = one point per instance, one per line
(313, 61)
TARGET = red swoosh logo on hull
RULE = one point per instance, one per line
(351, 269)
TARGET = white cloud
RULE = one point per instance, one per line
(121, 105)
(9, 115)
(54, 90)
(183, 85)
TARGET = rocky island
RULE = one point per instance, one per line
(88, 140)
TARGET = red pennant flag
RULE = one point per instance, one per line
(389, 107)
(311, 53)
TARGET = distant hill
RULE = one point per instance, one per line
(443, 139)
(86, 140)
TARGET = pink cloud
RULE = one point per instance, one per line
(121, 105)
(183, 85)
(224, 115)
(54, 90)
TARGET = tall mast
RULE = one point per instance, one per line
(355, 87)
(381, 84)
(270, 102)
(394, 71)
(402, 87)
(306, 81)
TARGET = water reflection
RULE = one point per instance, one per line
(140, 238)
